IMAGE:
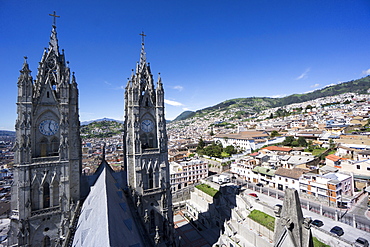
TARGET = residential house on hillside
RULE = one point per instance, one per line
(247, 140)
(288, 178)
(301, 160)
(309, 135)
(358, 166)
(277, 150)
(244, 167)
(336, 189)
(263, 175)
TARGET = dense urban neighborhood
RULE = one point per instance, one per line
(320, 148)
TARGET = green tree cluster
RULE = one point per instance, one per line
(274, 133)
(214, 149)
(293, 142)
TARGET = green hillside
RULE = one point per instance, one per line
(101, 129)
(244, 107)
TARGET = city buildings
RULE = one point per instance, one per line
(187, 172)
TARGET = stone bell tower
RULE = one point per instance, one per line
(47, 165)
(146, 162)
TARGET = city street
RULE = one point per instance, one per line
(350, 233)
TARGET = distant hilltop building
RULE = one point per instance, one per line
(52, 203)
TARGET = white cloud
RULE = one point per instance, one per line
(303, 75)
(186, 109)
(366, 72)
(178, 87)
(171, 102)
(110, 84)
(278, 96)
(315, 85)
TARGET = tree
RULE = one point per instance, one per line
(294, 143)
(201, 144)
(302, 142)
(213, 150)
(309, 107)
(230, 150)
(200, 147)
(288, 140)
(274, 133)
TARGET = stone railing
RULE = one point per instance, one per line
(45, 211)
(150, 150)
(45, 159)
(152, 191)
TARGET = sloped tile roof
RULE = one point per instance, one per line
(294, 173)
(276, 148)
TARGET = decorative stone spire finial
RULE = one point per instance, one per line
(142, 53)
(53, 43)
(54, 19)
(157, 237)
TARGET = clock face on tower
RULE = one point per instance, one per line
(48, 127)
(147, 125)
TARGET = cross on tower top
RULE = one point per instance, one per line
(142, 37)
(55, 16)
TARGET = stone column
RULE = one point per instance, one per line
(354, 221)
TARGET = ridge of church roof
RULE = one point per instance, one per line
(106, 217)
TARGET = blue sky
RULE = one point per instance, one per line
(207, 51)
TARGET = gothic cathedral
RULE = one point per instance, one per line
(47, 164)
(46, 193)
(145, 141)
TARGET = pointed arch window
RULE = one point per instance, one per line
(144, 141)
(35, 199)
(150, 178)
(151, 141)
(156, 178)
(46, 242)
(44, 147)
(46, 195)
(152, 219)
(54, 146)
(55, 193)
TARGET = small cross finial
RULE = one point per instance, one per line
(55, 16)
(142, 36)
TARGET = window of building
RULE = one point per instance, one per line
(358, 167)
(46, 242)
(150, 178)
(46, 195)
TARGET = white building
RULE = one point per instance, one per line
(187, 172)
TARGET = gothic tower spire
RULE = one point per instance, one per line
(142, 62)
(146, 153)
(47, 168)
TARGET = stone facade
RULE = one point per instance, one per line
(145, 144)
(47, 167)
(291, 228)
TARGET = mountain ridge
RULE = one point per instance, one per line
(251, 105)
(100, 120)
